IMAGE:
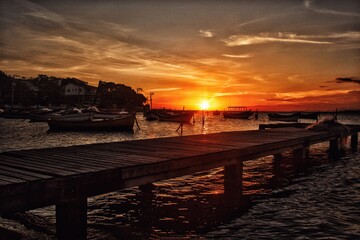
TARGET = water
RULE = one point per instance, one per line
(281, 200)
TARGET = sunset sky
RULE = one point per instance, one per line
(270, 55)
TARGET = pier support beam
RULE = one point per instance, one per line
(334, 151)
(354, 141)
(71, 219)
(278, 157)
(302, 153)
(233, 182)
(301, 156)
(146, 205)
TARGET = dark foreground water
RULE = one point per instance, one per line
(281, 200)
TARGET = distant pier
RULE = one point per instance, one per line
(67, 176)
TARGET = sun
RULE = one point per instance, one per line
(204, 105)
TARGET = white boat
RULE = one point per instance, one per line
(105, 115)
(72, 117)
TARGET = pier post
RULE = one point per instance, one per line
(302, 153)
(301, 156)
(334, 150)
(146, 205)
(71, 219)
(233, 182)
(354, 141)
(278, 157)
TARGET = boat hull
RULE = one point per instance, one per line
(151, 117)
(178, 117)
(314, 116)
(239, 115)
(284, 118)
(125, 123)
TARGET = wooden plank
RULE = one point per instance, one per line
(11, 179)
(166, 146)
(59, 163)
(120, 158)
(47, 164)
(3, 182)
(36, 168)
(143, 151)
(67, 161)
(18, 175)
(226, 145)
(29, 173)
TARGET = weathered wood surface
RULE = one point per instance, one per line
(36, 178)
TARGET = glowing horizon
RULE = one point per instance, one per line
(284, 55)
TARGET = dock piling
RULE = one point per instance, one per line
(278, 157)
(354, 141)
(71, 219)
(233, 181)
(334, 150)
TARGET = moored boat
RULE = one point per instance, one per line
(216, 113)
(122, 123)
(72, 117)
(291, 117)
(239, 112)
(97, 114)
(16, 114)
(42, 115)
(181, 116)
(150, 116)
(310, 115)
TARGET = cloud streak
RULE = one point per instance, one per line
(345, 80)
(163, 89)
(237, 56)
(239, 40)
(206, 33)
(308, 4)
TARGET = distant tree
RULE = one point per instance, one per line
(23, 95)
(120, 95)
(5, 88)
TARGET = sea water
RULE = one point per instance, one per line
(280, 199)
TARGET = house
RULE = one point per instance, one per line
(75, 91)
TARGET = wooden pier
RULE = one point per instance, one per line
(67, 176)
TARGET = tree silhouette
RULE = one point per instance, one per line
(119, 96)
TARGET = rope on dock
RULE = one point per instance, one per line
(137, 124)
(180, 127)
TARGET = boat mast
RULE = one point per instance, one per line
(12, 93)
(151, 94)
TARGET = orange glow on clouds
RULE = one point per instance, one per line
(283, 56)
